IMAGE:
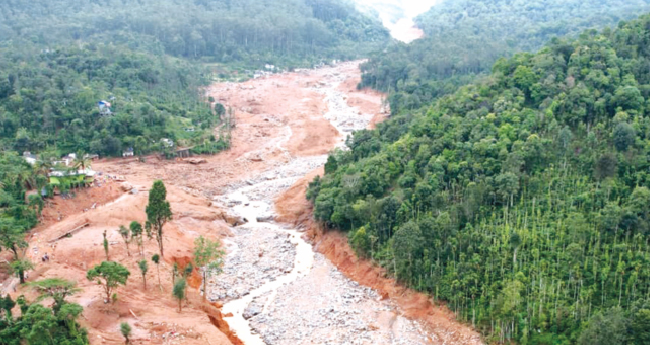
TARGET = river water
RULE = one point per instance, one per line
(302, 264)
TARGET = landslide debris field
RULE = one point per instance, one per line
(274, 289)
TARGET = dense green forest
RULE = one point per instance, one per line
(521, 200)
(465, 37)
(287, 32)
(49, 100)
(41, 325)
(59, 58)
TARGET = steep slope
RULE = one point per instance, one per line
(464, 38)
(521, 200)
(254, 32)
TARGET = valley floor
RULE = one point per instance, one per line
(275, 289)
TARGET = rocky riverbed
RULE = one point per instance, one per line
(260, 257)
(281, 292)
(335, 310)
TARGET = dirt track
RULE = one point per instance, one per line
(284, 130)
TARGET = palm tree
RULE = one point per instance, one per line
(82, 162)
(42, 170)
(43, 167)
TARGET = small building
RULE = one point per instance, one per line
(128, 152)
(78, 178)
(167, 142)
(104, 108)
(29, 157)
(92, 157)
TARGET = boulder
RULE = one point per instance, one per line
(196, 161)
(251, 311)
(265, 219)
(232, 219)
(125, 186)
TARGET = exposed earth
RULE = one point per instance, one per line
(284, 281)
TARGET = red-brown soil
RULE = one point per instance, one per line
(276, 118)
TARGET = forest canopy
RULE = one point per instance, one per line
(286, 32)
(146, 59)
(465, 37)
(520, 200)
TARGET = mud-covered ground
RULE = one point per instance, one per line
(285, 126)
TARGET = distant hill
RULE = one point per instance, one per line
(465, 37)
(281, 32)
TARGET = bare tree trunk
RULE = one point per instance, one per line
(205, 289)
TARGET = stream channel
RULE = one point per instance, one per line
(278, 290)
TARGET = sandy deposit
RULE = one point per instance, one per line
(278, 289)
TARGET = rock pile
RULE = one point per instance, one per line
(336, 310)
(260, 257)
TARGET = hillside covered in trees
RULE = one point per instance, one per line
(59, 59)
(521, 200)
(49, 100)
(465, 37)
(287, 32)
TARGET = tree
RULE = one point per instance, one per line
(110, 274)
(640, 327)
(105, 243)
(12, 238)
(21, 266)
(605, 328)
(6, 305)
(175, 272)
(136, 234)
(69, 313)
(82, 161)
(605, 166)
(156, 258)
(407, 245)
(179, 292)
(144, 267)
(209, 257)
(515, 242)
(126, 235)
(158, 213)
(187, 272)
(125, 329)
(56, 288)
(624, 136)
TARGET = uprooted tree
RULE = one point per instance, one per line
(110, 275)
(158, 213)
